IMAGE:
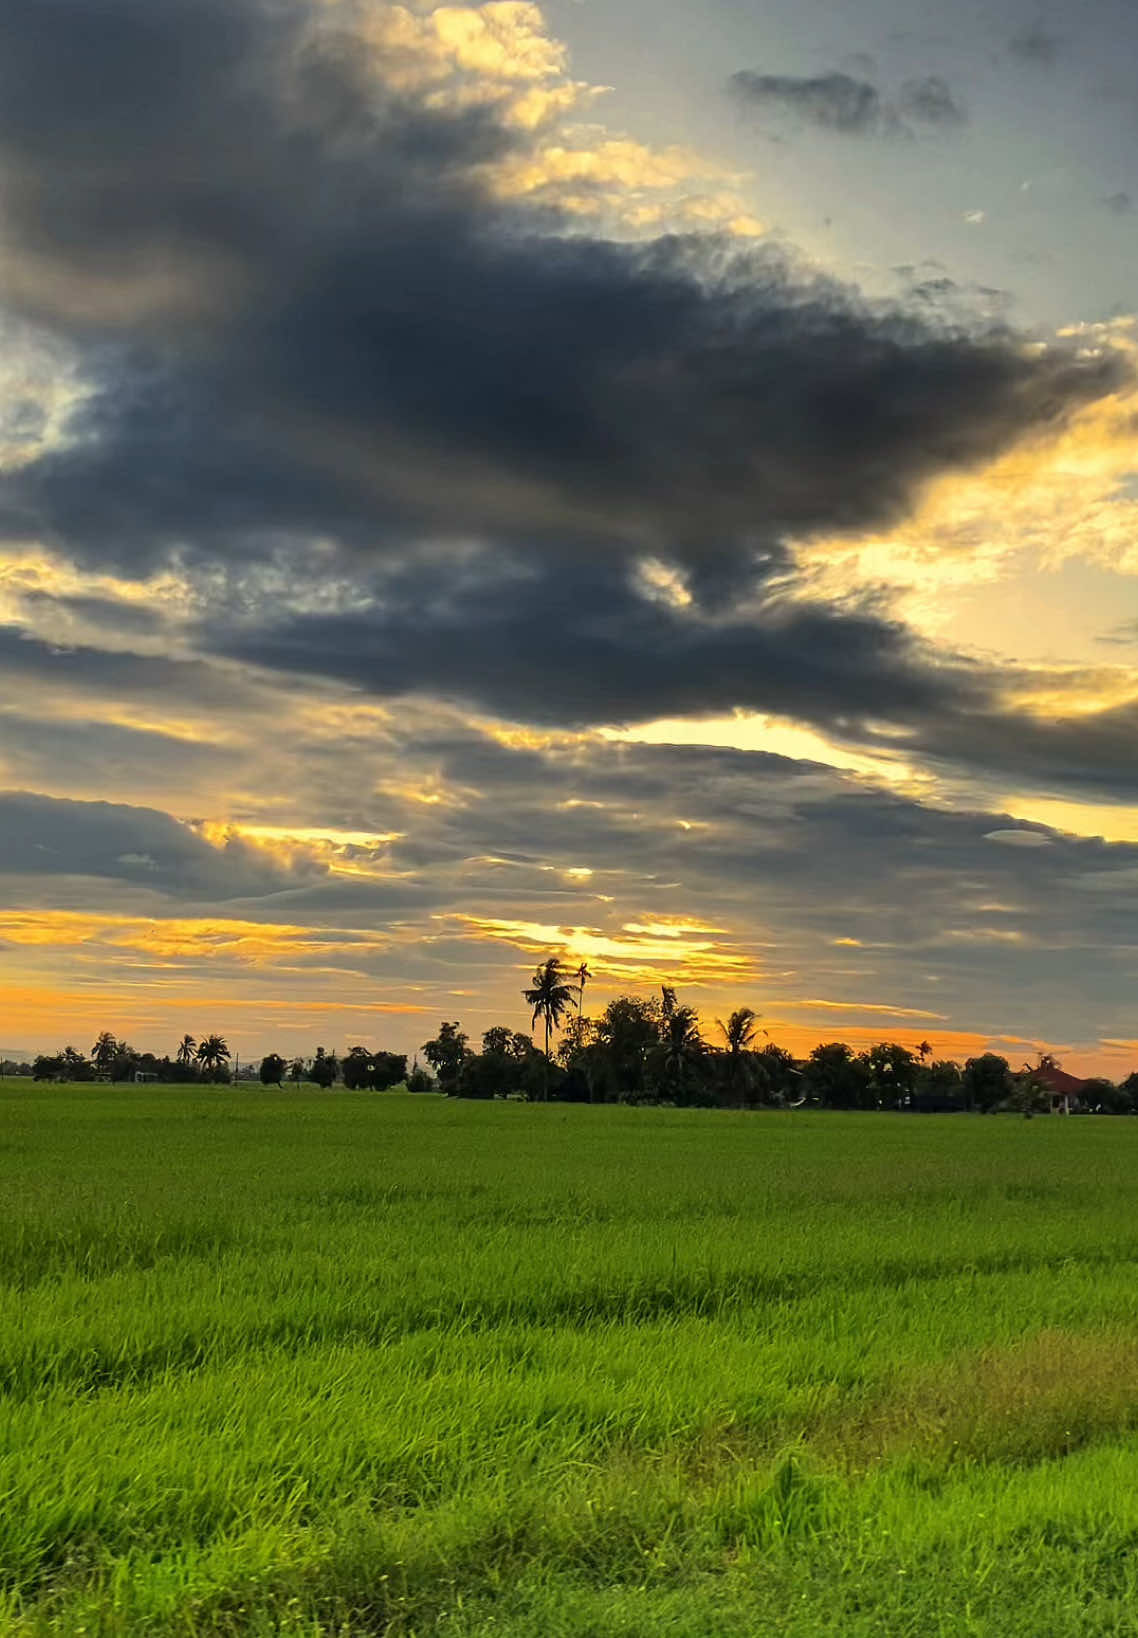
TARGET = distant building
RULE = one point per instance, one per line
(1061, 1089)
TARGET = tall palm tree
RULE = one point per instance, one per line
(583, 976)
(681, 1045)
(739, 1033)
(186, 1051)
(549, 996)
(212, 1053)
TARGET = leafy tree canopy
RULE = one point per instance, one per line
(446, 1053)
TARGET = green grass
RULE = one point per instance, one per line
(340, 1364)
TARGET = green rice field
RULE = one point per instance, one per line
(314, 1363)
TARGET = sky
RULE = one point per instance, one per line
(650, 484)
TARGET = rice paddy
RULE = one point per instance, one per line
(349, 1363)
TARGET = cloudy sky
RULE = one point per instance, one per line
(644, 482)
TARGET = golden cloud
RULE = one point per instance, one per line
(502, 55)
(246, 943)
(1063, 494)
(881, 1008)
(670, 950)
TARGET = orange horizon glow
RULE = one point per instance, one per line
(51, 1018)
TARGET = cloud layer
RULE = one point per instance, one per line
(366, 387)
(349, 360)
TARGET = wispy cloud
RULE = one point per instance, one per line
(849, 106)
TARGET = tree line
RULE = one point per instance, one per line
(652, 1050)
(639, 1049)
(209, 1060)
(113, 1060)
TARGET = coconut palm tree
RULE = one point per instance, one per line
(739, 1034)
(583, 976)
(681, 1046)
(212, 1053)
(186, 1051)
(549, 996)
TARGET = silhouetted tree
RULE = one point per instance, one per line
(75, 1066)
(1029, 1094)
(486, 1075)
(585, 1061)
(387, 1069)
(213, 1054)
(679, 1057)
(418, 1080)
(446, 1054)
(186, 1051)
(891, 1071)
(498, 1040)
(739, 1034)
(549, 996)
(357, 1068)
(986, 1081)
(938, 1088)
(324, 1068)
(627, 1033)
(272, 1069)
(778, 1075)
(103, 1054)
(832, 1075)
(67, 1065)
(1103, 1097)
(583, 976)
(126, 1060)
(508, 1064)
(374, 1070)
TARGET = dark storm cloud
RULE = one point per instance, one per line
(303, 320)
(190, 140)
(1093, 752)
(44, 836)
(604, 392)
(851, 107)
(582, 644)
(837, 102)
(328, 314)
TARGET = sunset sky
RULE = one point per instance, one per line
(650, 483)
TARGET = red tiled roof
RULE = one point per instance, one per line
(1058, 1081)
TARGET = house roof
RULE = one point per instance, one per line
(1058, 1081)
